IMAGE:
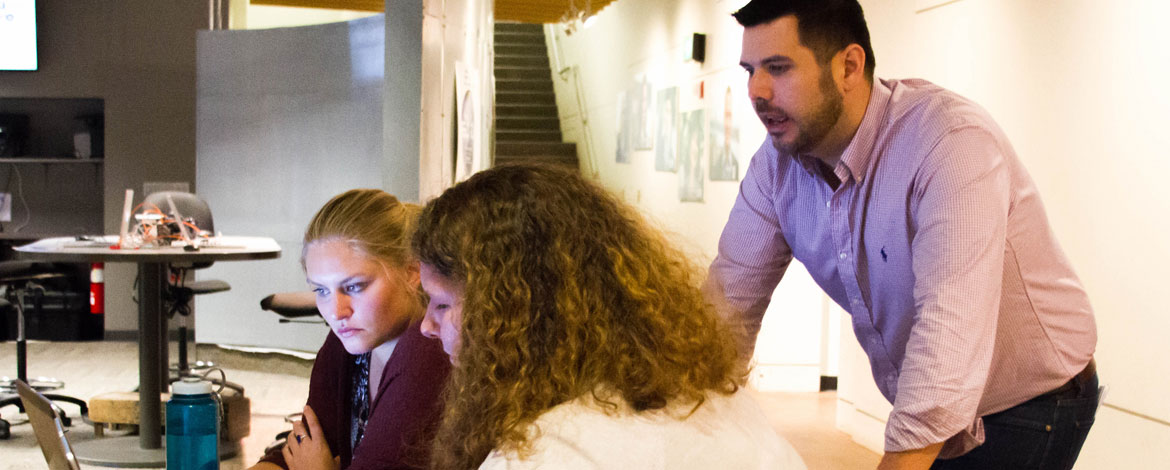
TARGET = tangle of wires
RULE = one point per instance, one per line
(157, 228)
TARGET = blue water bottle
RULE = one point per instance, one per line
(192, 426)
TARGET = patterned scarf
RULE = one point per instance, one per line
(361, 400)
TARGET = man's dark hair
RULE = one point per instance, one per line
(825, 26)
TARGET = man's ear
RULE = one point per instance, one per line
(853, 65)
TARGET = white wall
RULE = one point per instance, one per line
(649, 40)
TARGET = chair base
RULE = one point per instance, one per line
(5, 426)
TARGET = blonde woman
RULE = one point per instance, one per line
(579, 336)
(374, 392)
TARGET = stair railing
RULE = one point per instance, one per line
(571, 74)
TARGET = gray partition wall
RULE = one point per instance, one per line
(286, 118)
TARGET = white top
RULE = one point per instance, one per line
(726, 432)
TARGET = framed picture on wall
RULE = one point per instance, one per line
(692, 146)
(622, 152)
(724, 163)
(667, 136)
(643, 115)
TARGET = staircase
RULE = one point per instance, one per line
(527, 125)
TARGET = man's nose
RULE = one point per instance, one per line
(759, 87)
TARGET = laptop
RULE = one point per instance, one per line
(48, 428)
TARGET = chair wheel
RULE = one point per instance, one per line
(5, 432)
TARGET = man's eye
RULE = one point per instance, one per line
(320, 291)
(778, 69)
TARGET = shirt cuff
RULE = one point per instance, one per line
(905, 432)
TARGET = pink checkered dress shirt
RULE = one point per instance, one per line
(937, 244)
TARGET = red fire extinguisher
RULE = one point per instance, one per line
(97, 289)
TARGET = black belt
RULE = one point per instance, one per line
(1076, 383)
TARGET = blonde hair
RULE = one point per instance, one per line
(371, 221)
(567, 292)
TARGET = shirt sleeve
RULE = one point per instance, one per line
(753, 254)
(959, 203)
(328, 368)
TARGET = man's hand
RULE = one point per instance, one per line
(306, 448)
(918, 459)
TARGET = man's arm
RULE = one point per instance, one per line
(917, 459)
(961, 199)
(753, 254)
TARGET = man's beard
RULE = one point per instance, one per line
(811, 131)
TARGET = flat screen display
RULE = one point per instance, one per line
(18, 35)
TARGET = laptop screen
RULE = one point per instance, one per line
(48, 428)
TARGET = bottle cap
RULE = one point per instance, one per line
(191, 386)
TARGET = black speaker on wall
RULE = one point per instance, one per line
(13, 133)
(699, 47)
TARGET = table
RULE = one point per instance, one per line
(152, 372)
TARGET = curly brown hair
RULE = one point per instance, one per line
(568, 292)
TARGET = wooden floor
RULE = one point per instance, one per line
(277, 385)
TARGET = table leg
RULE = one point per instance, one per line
(146, 449)
(150, 279)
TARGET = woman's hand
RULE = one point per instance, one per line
(306, 448)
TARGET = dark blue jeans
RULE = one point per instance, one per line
(1044, 433)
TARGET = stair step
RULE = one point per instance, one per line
(526, 111)
(515, 149)
(525, 124)
(529, 86)
(504, 27)
(541, 61)
(568, 162)
(530, 73)
(519, 38)
(521, 50)
(528, 97)
(526, 135)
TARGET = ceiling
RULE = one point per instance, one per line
(524, 11)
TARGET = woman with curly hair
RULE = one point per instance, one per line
(374, 395)
(579, 337)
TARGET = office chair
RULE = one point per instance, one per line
(193, 220)
(292, 307)
(17, 279)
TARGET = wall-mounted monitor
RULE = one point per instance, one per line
(18, 35)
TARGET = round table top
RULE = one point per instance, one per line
(102, 249)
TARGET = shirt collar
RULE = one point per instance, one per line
(856, 157)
